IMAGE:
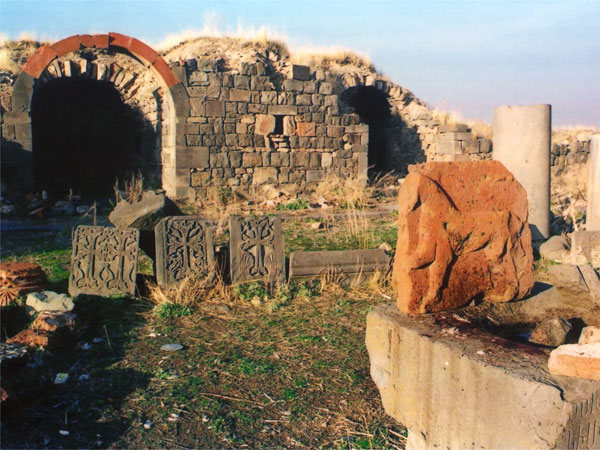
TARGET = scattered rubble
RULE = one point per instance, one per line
(20, 278)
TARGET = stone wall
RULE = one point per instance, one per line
(569, 150)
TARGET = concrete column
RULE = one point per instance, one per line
(592, 221)
(522, 144)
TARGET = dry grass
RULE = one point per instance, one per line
(193, 289)
(330, 57)
(218, 204)
(479, 128)
(343, 192)
(13, 54)
(132, 191)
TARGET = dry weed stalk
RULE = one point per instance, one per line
(132, 189)
(191, 290)
(218, 204)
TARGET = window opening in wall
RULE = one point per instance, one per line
(278, 124)
(85, 137)
(373, 107)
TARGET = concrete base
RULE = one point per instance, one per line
(454, 385)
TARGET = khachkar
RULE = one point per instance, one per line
(184, 247)
(104, 261)
(522, 144)
(256, 249)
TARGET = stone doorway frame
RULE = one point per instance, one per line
(174, 97)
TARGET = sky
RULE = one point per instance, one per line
(463, 56)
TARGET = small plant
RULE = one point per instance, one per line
(293, 205)
(132, 190)
(251, 291)
(171, 311)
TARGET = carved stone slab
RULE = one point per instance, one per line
(104, 261)
(256, 249)
(184, 245)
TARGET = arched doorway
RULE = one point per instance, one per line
(109, 95)
(372, 105)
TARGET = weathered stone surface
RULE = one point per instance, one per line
(264, 175)
(265, 124)
(144, 214)
(104, 261)
(184, 246)
(551, 332)
(576, 360)
(50, 301)
(34, 338)
(53, 320)
(567, 276)
(555, 248)
(590, 335)
(256, 249)
(20, 278)
(460, 387)
(592, 219)
(585, 248)
(592, 281)
(462, 233)
(300, 72)
(351, 265)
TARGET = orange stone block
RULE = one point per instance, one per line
(119, 40)
(36, 64)
(142, 51)
(67, 45)
(165, 72)
(100, 40)
(462, 234)
(305, 129)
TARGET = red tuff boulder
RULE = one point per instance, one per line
(462, 234)
(19, 278)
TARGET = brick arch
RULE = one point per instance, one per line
(174, 95)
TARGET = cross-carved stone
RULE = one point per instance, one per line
(184, 246)
(104, 261)
(256, 249)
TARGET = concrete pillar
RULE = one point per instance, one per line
(592, 221)
(522, 144)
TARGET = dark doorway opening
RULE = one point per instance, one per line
(373, 107)
(85, 137)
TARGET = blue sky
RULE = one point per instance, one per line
(466, 56)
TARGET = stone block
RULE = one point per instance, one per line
(326, 89)
(215, 108)
(251, 159)
(326, 160)
(239, 95)
(485, 145)
(283, 110)
(351, 266)
(577, 360)
(191, 157)
(457, 386)
(592, 282)
(279, 159)
(299, 159)
(444, 147)
(67, 45)
(104, 261)
(300, 72)
(289, 126)
(292, 86)
(49, 301)
(313, 176)
(184, 248)
(456, 136)
(590, 335)
(235, 158)
(551, 332)
(305, 129)
(264, 175)
(55, 320)
(35, 338)
(265, 124)
(554, 249)
(470, 147)
(256, 249)
(166, 74)
(453, 127)
(585, 248)
(462, 233)
(241, 81)
(197, 106)
(35, 65)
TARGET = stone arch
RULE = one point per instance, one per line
(166, 107)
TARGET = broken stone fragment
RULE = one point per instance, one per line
(50, 301)
(551, 332)
(12, 354)
(555, 249)
(53, 320)
(35, 338)
(576, 360)
(20, 278)
(145, 214)
(590, 335)
(462, 234)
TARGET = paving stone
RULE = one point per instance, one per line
(256, 249)
(184, 247)
(104, 261)
(458, 386)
